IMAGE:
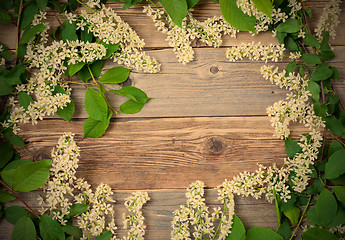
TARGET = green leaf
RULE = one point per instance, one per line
(25, 100)
(95, 105)
(73, 4)
(69, 31)
(316, 188)
(6, 53)
(293, 215)
(308, 12)
(289, 26)
(111, 48)
(281, 37)
(6, 196)
(105, 235)
(73, 231)
(21, 51)
(6, 151)
(31, 32)
(115, 75)
(77, 209)
(290, 68)
(74, 68)
(67, 112)
(176, 9)
(316, 233)
(86, 35)
(290, 44)
(31, 176)
(238, 231)
(311, 40)
(5, 89)
(236, 17)
(340, 193)
(8, 172)
(326, 207)
(277, 202)
(311, 59)
(4, 17)
(94, 128)
(335, 125)
(24, 229)
(335, 165)
(28, 14)
(314, 89)
(191, 3)
(14, 213)
(133, 93)
(292, 147)
(259, 233)
(96, 68)
(320, 110)
(264, 6)
(42, 4)
(339, 218)
(285, 230)
(334, 146)
(50, 229)
(335, 75)
(327, 55)
(14, 139)
(12, 77)
(289, 204)
(322, 72)
(131, 107)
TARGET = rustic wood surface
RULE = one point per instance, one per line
(207, 121)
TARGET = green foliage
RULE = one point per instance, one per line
(311, 59)
(293, 215)
(14, 213)
(340, 193)
(131, 107)
(6, 196)
(50, 228)
(24, 229)
(106, 235)
(292, 147)
(176, 9)
(24, 100)
(6, 151)
(314, 89)
(264, 6)
(95, 105)
(285, 230)
(94, 128)
(316, 233)
(111, 48)
(238, 232)
(289, 26)
(192, 3)
(290, 68)
(335, 125)
(74, 68)
(236, 17)
(115, 75)
(259, 233)
(31, 32)
(30, 176)
(322, 72)
(73, 231)
(29, 11)
(133, 93)
(4, 17)
(69, 31)
(335, 165)
(77, 209)
(311, 40)
(67, 112)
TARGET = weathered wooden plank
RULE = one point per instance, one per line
(158, 211)
(203, 10)
(164, 152)
(208, 86)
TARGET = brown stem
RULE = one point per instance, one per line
(300, 220)
(57, 18)
(17, 196)
(18, 24)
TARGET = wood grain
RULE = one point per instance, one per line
(158, 211)
(165, 152)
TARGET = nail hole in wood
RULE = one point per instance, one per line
(214, 70)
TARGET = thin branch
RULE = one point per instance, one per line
(301, 219)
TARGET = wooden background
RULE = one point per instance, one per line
(207, 122)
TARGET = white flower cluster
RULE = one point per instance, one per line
(107, 26)
(256, 52)
(63, 189)
(195, 215)
(209, 32)
(135, 220)
(2, 60)
(329, 19)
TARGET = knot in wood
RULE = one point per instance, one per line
(214, 69)
(215, 145)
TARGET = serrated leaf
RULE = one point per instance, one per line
(14, 213)
(6, 196)
(311, 40)
(31, 32)
(74, 68)
(311, 59)
(25, 100)
(31, 176)
(50, 229)
(315, 233)
(236, 17)
(237, 231)
(133, 93)
(131, 107)
(77, 209)
(335, 165)
(24, 229)
(176, 9)
(115, 75)
(105, 235)
(289, 26)
(292, 147)
(322, 72)
(28, 14)
(293, 215)
(95, 105)
(6, 151)
(326, 207)
(264, 6)
(259, 233)
(73, 231)
(314, 89)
